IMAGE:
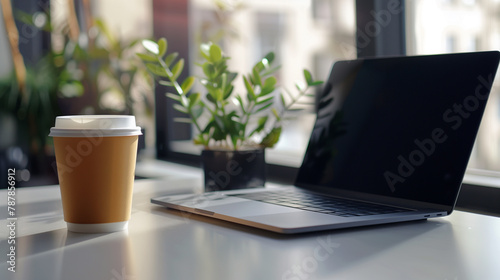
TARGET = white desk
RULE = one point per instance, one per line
(165, 244)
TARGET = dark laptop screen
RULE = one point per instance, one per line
(402, 127)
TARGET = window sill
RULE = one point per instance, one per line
(479, 193)
(482, 178)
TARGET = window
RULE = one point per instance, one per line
(344, 30)
(462, 26)
(302, 33)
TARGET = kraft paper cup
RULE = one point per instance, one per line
(96, 158)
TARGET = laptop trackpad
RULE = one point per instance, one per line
(242, 209)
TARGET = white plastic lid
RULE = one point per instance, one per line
(89, 125)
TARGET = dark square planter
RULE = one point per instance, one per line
(230, 170)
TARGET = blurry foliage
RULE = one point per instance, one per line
(221, 26)
(119, 68)
(34, 104)
(84, 73)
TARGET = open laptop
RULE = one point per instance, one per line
(391, 143)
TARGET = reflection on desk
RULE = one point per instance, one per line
(168, 244)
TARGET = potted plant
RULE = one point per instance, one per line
(234, 129)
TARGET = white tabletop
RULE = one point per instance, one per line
(166, 244)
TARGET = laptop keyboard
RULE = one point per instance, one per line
(320, 203)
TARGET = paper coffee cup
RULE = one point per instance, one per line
(96, 156)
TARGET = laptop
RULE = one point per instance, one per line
(391, 143)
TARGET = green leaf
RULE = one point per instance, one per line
(256, 79)
(177, 69)
(233, 127)
(147, 57)
(165, 83)
(308, 77)
(157, 70)
(205, 50)
(210, 98)
(151, 46)
(180, 108)
(28, 19)
(231, 76)
(218, 94)
(259, 66)
(228, 92)
(264, 107)
(162, 47)
(262, 121)
(208, 127)
(275, 113)
(133, 43)
(261, 124)
(219, 121)
(208, 70)
(264, 100)
(269, 86)
(272, 138)
(264, 63)
(248, 86)
(193, 98)
(196, 111)
(215, 53)
(223, 83)
(242, 106)
(187, 84)
(199, 140)
(171, 58)
(316, 83)
(270, 58)
(217, 134)
(173, 96)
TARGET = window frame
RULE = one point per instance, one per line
(375, 37)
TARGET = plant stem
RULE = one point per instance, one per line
(170, 77)
(294, 100)
(182, 93)
(74, 28)
(89, 20)
(246, 117)
(17, 58)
